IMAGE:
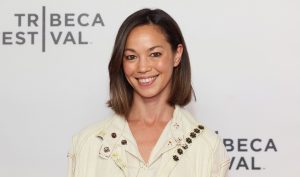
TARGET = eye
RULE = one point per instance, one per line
(130, 57)
(155, 54)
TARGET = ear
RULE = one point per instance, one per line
(178, 54)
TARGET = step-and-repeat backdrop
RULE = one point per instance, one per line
(245, 57)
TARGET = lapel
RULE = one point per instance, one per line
(111, 146)
(176, 135)
(184, 131)
(176, 140)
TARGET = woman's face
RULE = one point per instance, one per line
(148, 61)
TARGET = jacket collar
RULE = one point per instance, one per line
(111, 135)
(118, 127)
(116, 131)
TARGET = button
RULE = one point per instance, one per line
(180, 151)
(113, 135)
(106, 149)
(196, 130)
(123, 142)
(185, 146)
(200, 127)
(188, 140)
(193, 135)
(175, 157)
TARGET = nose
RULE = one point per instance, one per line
(144, 65)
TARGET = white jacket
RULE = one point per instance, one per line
(100, 150)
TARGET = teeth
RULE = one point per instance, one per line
(146, 80)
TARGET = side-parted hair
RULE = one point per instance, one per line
(121, 92)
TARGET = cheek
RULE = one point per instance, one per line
(165, 66)
(128, 69)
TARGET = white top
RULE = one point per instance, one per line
(137, 166)
(184, 149)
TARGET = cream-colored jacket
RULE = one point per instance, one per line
(190, 151)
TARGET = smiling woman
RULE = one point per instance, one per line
(149, 61)
(150, 133)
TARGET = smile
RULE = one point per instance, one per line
(147, 81)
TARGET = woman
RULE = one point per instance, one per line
(150, 133)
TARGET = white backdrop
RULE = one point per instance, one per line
(245, 57)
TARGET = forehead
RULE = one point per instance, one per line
(146, 34)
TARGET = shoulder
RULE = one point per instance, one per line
(207, 137)
(207, 144)
(91, 131)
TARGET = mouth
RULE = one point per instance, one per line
(145, 81)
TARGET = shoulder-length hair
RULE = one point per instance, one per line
(121, 92)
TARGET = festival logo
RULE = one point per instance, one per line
(243, 152)
(51, 28)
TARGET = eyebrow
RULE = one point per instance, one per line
(150, 49)
(154, 47)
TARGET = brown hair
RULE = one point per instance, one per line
(121, 92)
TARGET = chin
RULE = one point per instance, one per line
(150, 94)
(147, 95)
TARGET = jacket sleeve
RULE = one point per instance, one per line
(72, 158)
(220, 161)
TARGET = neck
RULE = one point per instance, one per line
(150, 111)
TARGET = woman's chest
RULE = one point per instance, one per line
(166, 166)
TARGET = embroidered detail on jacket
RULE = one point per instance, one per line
(116, 157)
(184, 146)
(101, 134)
